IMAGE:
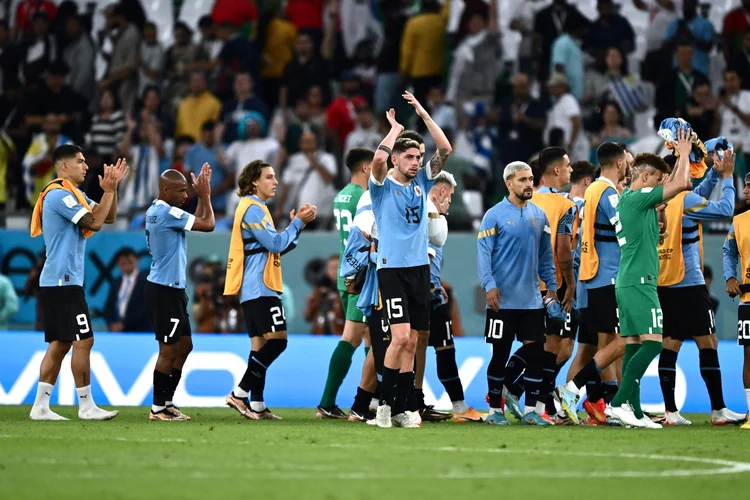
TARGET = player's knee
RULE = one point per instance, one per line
(703, 342)
(83, 345)
(186, 346)
(275, 347)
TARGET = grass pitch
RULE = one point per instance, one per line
(220, 454)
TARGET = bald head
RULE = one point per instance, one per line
(173, 188)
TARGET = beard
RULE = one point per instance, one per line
(525, 195)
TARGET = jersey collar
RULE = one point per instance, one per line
(161, 202)
(608, 181)
(547, 189)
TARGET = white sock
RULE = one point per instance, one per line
(496, 410)
(540, 408)
(85, 401)
(156, 409)
(257, 406)
(239, 393)
(572, 387)
(43, 393)
(460, 407)
(747, 398)
(169, 403)
(374, 403)
(528, 409)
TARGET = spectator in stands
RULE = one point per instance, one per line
(182, 145)
(25, 12)
(676, 85)
(79, 55)
(478, 59)
(442, 113)
(309, 175)
(209, 150)
(522, 121)
(37, 163)
(610, 30)
(341, 113)
(364, 65)
(181, 58)
(564, 120)
(323, 308)
(7, 159)
(734, 113)
(237, 12)
(125, 309)
(9, 57)
(394, 14)
(316, 101)
(740, 60)
(197, 108)
(8, 302)
(307, 17)
(150, 59)
(736, 23)
(698, 30)
(613, 128)
(548, 27)
(251, 144)
(302, 121)
(108, 126)
(54, 97)
(567, 57)
(234, 110)
(366, 133)
(701, 110)
(208, 296)
(122, 73)
(611, 81)
(209, 48)
(38, 50)
(422, 59)
(306, 70)
(237, 54)
(278, 38)
(144, 148)
(658, 55)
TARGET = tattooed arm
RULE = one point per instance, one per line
(444, 148)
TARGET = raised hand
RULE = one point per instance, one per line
(684, 141)
(391, 116)
(121, 169)
(421, 112)
(307, 213)
(442, 206)
(202, 184)
(108, 181)
(726, 166)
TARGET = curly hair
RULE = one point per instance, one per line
(249, 175)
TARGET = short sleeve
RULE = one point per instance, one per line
(647, 198)
(178, 219)
(565, 225)
(424, 177)
(66, 204)
(608, 203)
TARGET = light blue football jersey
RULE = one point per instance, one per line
(165, 233)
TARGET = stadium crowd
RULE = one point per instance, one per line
(300, 83)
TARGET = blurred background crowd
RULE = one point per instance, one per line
(176, 83)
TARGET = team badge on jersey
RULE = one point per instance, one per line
(418, 190)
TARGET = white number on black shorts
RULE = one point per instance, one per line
(495, 331)
(383, 325)
(175, 323)
(83, 322)
(448, 329)
(712, 319)
(567, 322)
(656, 317)
(278, 317)
(394, 308)
(743, 330)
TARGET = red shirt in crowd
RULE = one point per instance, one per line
(341, 115)
(736, 22)
(238, 12)
(305, 14)
(26, 10)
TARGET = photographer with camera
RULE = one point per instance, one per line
(323, 307)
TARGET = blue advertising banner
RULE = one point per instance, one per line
(122, 368)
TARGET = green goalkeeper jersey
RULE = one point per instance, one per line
(637, 227)
(344, 210)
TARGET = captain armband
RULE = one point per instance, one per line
(385, 148)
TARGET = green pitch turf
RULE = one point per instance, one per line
(221, 455)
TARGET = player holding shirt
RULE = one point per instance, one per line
(254, 272)
(66, 218)
(513, 251)
(638, 234)
(166, 301)
(737, 251)
(600, 261)
(400, 207)
(683, 295)
(358, 161)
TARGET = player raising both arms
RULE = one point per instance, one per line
(513, 251)
(683, 295)
(358, 161)
(638, 235)
(400, 207)
(166, 228)
(66, 217)
(254, 271)
(737, 251)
